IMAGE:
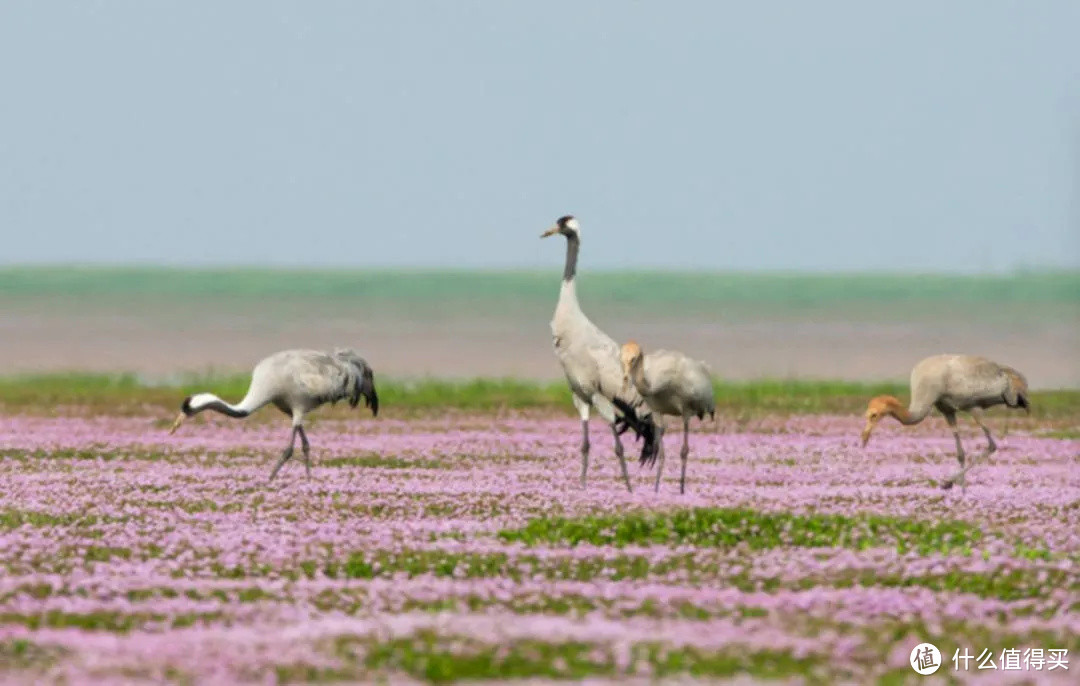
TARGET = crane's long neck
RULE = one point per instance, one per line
(913, 414)
(568, 300)
(573, 245)
(208, 401)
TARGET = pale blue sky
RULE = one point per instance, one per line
(853, 135)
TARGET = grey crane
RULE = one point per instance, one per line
(590, 360)
(296, 382)
(953, 383)
(671, 384)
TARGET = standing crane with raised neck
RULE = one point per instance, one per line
(590, 360)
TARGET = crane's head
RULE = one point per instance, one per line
(186, 410)
(877, 408)
(566, 225)
(630, 355)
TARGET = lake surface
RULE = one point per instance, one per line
(160, 322)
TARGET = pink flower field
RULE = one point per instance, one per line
(464, 550)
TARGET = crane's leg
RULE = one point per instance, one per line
(583, 412)
(622, 458)
(306, 447)
(660, 454)
(684, 453)
(584, 451)
(285, 455)
(991, 447)
(950, 418)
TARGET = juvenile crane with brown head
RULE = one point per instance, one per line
(951, 384)
(671, 384)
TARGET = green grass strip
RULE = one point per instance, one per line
(729, 527)
(128, 393)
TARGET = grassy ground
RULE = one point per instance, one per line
(126, 394)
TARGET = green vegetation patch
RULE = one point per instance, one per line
(20, 653)
(374, 461)
(730, 527)
(128, 394)
(11, 518)
(116, 622)
(445, 659)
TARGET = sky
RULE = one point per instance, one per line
(825, 136)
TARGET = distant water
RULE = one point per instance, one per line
(454, 324)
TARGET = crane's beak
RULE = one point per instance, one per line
(176, 425)
(550, 232)
(870, 423)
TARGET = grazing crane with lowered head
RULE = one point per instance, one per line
(953, 383)
(296, 382)
(671, 384)
(590, 360)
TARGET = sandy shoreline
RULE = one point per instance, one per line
(149, 338)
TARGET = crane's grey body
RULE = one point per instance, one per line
(955, 383)
(296, 382)
(672, 384)
(951, 384)
(589, 357)
(590, 361)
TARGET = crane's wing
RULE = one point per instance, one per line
(326, 378)
(359, 379)
(628, 408)
(993, 380)
(663, 369)
(976, 378)
(1017, 395)
(312, 374)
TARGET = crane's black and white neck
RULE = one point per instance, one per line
(195, 404)
(568, 226)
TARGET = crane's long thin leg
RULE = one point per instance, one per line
(991, 446)
(622, 458)
(950, 418)
(660, 450)
(583, 412)
(306, 447)
(684, 453)
(584, 451)
(285, 455)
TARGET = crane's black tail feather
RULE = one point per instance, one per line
(644, 428)
(367, 389)
(1022, 402)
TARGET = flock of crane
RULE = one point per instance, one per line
(627, 387)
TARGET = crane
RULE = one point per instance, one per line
(296, 382)
(671, 384)
(951, 384)
(590, 360)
